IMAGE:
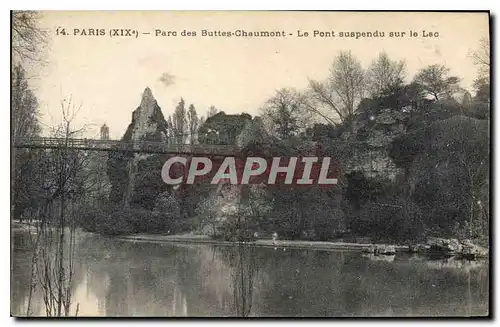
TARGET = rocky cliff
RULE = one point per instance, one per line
(148, 122)
(136, 178)
(222, 128)
(371, 137)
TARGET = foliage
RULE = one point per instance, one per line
(435, 81)
(148, 184)
(193, 121)
(299, 211)
(451, 173)
(384, 75)
(403, 149)
(285, 113)
(222, 128)
(481, 58)
(397, 219)
(118, 220)
(24, 124)
(178, 123)
(424, 128)
(24, 106)
(341, 92)
(482, 99)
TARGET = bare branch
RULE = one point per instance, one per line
(27, 37)
(343, 89)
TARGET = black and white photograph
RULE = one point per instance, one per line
(250, 164)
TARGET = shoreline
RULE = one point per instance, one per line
(295, 244)
(476, 253)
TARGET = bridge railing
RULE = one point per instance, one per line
(136, 146)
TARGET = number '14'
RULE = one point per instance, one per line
(60, 31)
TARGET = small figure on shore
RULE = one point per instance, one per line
(275, 238)
(255, 235)
(371, 249)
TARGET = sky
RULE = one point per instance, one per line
(107, 75)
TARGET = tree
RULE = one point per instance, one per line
(192, 119)
(27, 36)
(466, 103)
(212, 111)
(384, 75)
(27, 39)
(24, 106)
(167, 210)
(481, 59)
(285, 112)
(450, 173)
(469, 149)
(179, 123)
(342, 90)
(482, 88)
(208, 214)
(295, 211)
(403, 150)
(435, 81)
(61, 189)
(24, 124)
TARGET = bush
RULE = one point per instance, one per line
(117, 220)
(230, 231)
(398, 220)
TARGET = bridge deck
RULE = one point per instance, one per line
(157, 147)
(119, 146)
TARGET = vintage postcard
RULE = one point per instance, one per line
(250, 164)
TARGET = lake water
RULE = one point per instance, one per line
(124, 278)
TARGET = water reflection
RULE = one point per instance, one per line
(387, 258)
(243, 266)
(123, 278)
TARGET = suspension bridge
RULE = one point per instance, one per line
(165, 148)
(121, 146)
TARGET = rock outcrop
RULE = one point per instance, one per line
(148, 124)
(451, 247)
(222, 129)
(380, 249)
(444, 245)
(473, 251)
(371, 137)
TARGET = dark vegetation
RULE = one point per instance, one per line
(414, 158)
